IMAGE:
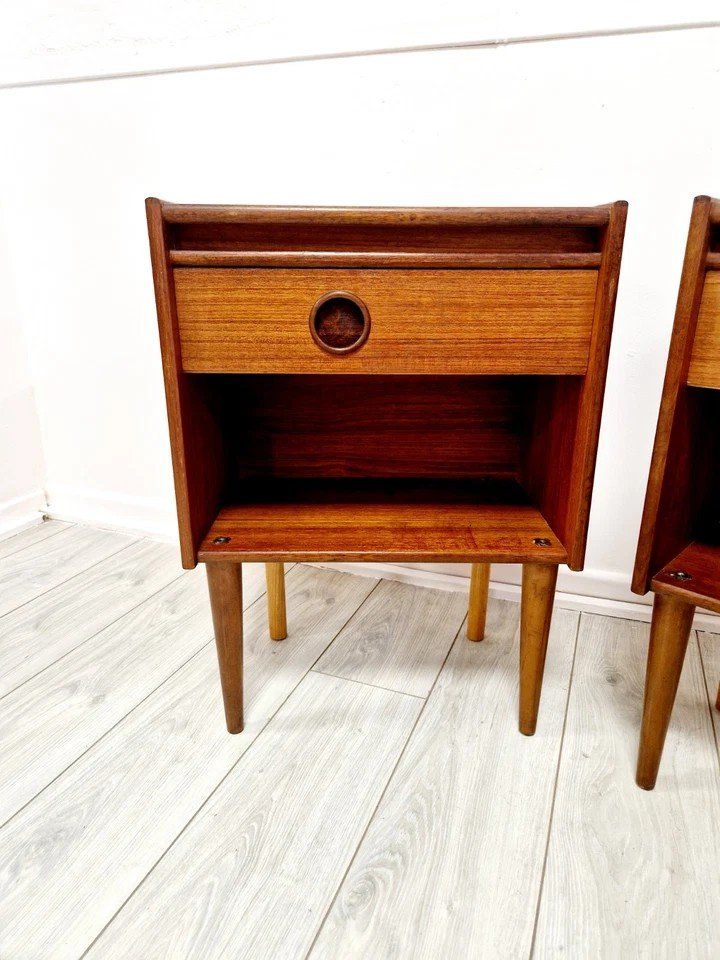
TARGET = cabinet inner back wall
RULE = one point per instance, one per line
(379, 426)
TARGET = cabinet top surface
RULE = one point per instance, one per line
(230, 213)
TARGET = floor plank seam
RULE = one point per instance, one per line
(710, 703)
(554, 794)
(27, 547)
(104, 734)
(62, 583)
(225, 775)
(100, 630)
(389, 780)
(126, 715)
(366, 683)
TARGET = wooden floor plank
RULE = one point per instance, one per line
(49, 721)
(30, 536)
(631, 873)
(253, 874)
(74, 855)
(451, 863)
(399, 639)
(710, 654)
(46, 628)
(42, 566)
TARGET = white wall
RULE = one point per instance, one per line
(573, 121)
(22, 498)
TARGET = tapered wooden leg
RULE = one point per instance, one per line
(669, 633)
(538, 594)
(225, 586)
(477, 607)
(275, 581)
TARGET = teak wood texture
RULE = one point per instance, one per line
(320, 521)
(524, 294)
(678, 554)
(423, 321)
(681, 504)
(704, 370)
(382, 384)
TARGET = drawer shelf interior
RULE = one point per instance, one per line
(368, 467)
(690, 497)
(375, 519)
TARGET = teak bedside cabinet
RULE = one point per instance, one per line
(678, 554)
(384, 385)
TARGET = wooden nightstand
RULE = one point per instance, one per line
(678, 554)
(384, 385)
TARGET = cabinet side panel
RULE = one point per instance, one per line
(195, 438)
(592, 391)
(548, 465)
(664, 528)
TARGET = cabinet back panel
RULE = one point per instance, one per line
(380, 426)
(690, 499)
(407, 238)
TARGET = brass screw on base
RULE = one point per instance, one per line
(541, 542)
(680, 575)
(221, 540)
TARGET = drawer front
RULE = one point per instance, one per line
(247, 320)
(704, 368)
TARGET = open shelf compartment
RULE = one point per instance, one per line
(377, 520)
(379, 468)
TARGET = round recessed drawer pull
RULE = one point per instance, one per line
(339, 322)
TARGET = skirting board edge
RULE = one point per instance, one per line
(603, 606)
(591, 591)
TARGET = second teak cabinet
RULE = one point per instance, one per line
(384, 385)
(678, 555)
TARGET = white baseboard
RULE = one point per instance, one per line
(640, 608)
(590, 591)
(21, 512)
(141, 516)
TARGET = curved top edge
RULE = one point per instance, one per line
(426, 216)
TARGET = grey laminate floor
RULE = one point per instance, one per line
(380, 802)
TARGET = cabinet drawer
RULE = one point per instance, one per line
(248, 320)
(704, 368)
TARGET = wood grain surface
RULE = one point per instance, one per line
(451, 864)
(631, 873)
(195, 441)
(44, 629)
(30, 536)
(381, 426)
(423, 321)
(704, 369)
(398, 639)
(48, 721)
(677, 458)
(382, 521)
(710, 654)
(47, 563)
(98, 829)
(702, 562)
(254, 873)
(298, 858)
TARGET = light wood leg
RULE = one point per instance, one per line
(225, 586)
(477, 607)
(669, 634)
(275, 581)
(538, 594)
